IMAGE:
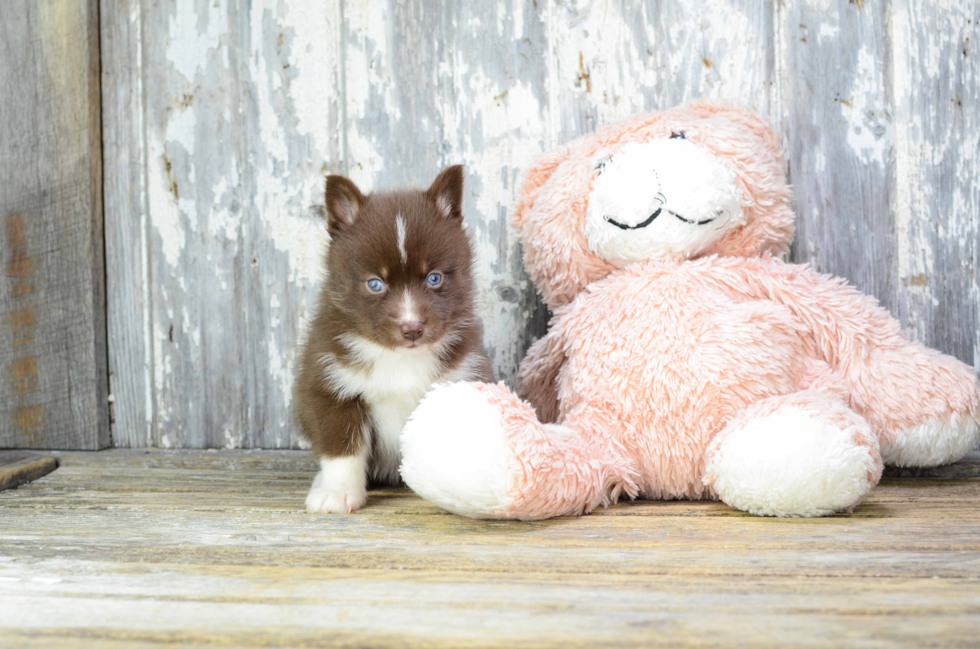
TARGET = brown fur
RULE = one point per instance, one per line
(364, 245)
(537, 382)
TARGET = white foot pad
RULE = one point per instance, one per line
(792, 463)
(454, 452)
(339, 488)
(932, 443)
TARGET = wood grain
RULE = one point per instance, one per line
(53, 377)
(937, 211)
(213, 548)
(17, 468)
(840, 140)
(223, 119)
(128, 284)
(612, 60)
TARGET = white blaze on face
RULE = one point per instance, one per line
(400, 227)
(697, 196)
(409, 313)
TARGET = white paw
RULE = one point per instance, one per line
(792, 463)
(455, 453)
(325, 501)
(340, 487)
(932, 443)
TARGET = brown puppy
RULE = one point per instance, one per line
(395, 316)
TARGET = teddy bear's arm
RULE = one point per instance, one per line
(538, 377)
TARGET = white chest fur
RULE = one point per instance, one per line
(391, 382)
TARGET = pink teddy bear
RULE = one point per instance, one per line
(685, 359)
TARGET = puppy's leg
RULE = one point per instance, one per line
(340, 487)
(340, 433)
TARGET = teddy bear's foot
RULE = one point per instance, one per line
(455, 452)
(801, 455)
(477, 450)
(925, 406)
(941, 440)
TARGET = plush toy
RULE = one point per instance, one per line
(685, 359)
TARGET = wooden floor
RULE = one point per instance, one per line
(124, 549)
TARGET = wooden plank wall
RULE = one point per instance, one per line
(937, 189)
(221, 119)
(53, 374)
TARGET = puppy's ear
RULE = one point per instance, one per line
(344, 203)
(447, 192)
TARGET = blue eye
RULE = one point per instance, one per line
(375, 285)
(434, 280)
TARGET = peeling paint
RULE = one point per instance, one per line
(869, 133)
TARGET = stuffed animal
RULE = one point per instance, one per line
(685, 359)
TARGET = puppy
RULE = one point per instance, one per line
(395, 316)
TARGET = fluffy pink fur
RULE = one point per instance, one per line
(660, 364)
(561, 471)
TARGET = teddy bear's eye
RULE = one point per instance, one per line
(678, 134)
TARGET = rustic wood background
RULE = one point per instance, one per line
(220, 118)
(53, 380)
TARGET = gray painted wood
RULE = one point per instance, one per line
(124, 195)
(225, 119)
(221, 120)
(614, 59)
(937, 198)
(840, 140)
(53, 387)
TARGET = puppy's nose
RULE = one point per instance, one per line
(412, 330)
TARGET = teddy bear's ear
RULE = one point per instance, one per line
(759, 127)
(535, 178)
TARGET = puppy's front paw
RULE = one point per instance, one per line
(339, 488)
(325, 501)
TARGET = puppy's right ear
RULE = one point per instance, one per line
(344, 203)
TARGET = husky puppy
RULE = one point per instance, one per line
(395, 315)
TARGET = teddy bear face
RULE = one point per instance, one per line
(666, 196)
(590, 208)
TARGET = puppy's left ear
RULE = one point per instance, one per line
(344, 203)
(447, 192)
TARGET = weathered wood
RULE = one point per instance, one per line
(128, 284)
(214, 548)
(224, 118)
(19, 467)
(937, 192)
(840, 140)
(53, 389)
(610, 60)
